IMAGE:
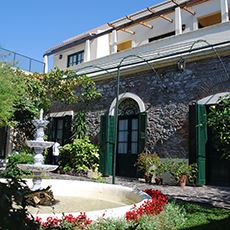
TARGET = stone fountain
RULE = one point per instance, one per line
(39, 145)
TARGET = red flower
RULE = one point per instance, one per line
(149, 207)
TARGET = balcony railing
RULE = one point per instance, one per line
(21, 61)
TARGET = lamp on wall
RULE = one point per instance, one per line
(181, 64)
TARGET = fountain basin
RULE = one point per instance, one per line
(37, 168)
(39, 144)
(114, 200)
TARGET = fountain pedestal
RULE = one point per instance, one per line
(39, 145)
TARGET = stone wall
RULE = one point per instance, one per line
(167, 98)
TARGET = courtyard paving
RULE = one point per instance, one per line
(210, 195)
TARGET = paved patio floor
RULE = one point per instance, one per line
(211, 195)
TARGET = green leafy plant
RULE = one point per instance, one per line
(179, 168)
(23, 95)
(147, 162)
(25, 156)
(80, 156)
(13, 210)
(110, 224)
(79, 125)
(219, 121)
(172, 218)
(11, 89)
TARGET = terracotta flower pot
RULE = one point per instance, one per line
(148, 177)
(159, 181)
(183, 180)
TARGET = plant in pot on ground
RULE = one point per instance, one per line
(160, 170)
(147, 164)
(182, 171)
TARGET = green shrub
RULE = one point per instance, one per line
(79, 156)
(177, 168)
(146, 161)
(173, 217)
(25, 156)
(218, 120)
(13, 212)
(110, 224)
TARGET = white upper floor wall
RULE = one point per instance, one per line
(90, 46)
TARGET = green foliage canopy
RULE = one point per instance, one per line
(22, 95)
(219, 121)
(11, 90)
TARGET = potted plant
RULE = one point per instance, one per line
(183, 172)
(147, 164)
(160, 170)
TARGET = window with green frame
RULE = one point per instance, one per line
(75, 59)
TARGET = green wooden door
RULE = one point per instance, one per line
(130, 142)
(201, 140)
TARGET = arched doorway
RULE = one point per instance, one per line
(131, 130)
(127, 138)
(212, 168)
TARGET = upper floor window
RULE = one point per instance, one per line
(124, 45)
(75, 59)
(209, 20)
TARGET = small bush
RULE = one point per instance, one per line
(79, 157)
(25, 156)
(172, 218)
(110, 224)
(146, 161)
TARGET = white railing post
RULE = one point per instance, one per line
(178, 21)
(114, 42)
(224, 10)
(87, 51)
(46, 61)
(194, 23)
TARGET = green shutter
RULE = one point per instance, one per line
(142, 124)
(201, 135)
(192, 133)
(106, 141)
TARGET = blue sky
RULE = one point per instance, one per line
(30, 27)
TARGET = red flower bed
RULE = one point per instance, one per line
(149, 207)
(81, 221)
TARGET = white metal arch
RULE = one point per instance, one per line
(124, 96)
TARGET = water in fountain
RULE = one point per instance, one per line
(39, 145)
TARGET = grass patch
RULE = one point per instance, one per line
(202, 217)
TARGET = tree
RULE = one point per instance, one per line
(219, 121)
(43, 90)
(11, 89)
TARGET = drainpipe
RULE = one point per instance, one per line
(224, 10)
(178, 21)
(46, 61)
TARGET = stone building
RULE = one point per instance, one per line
(166, 65)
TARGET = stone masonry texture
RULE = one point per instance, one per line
(167, 96)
